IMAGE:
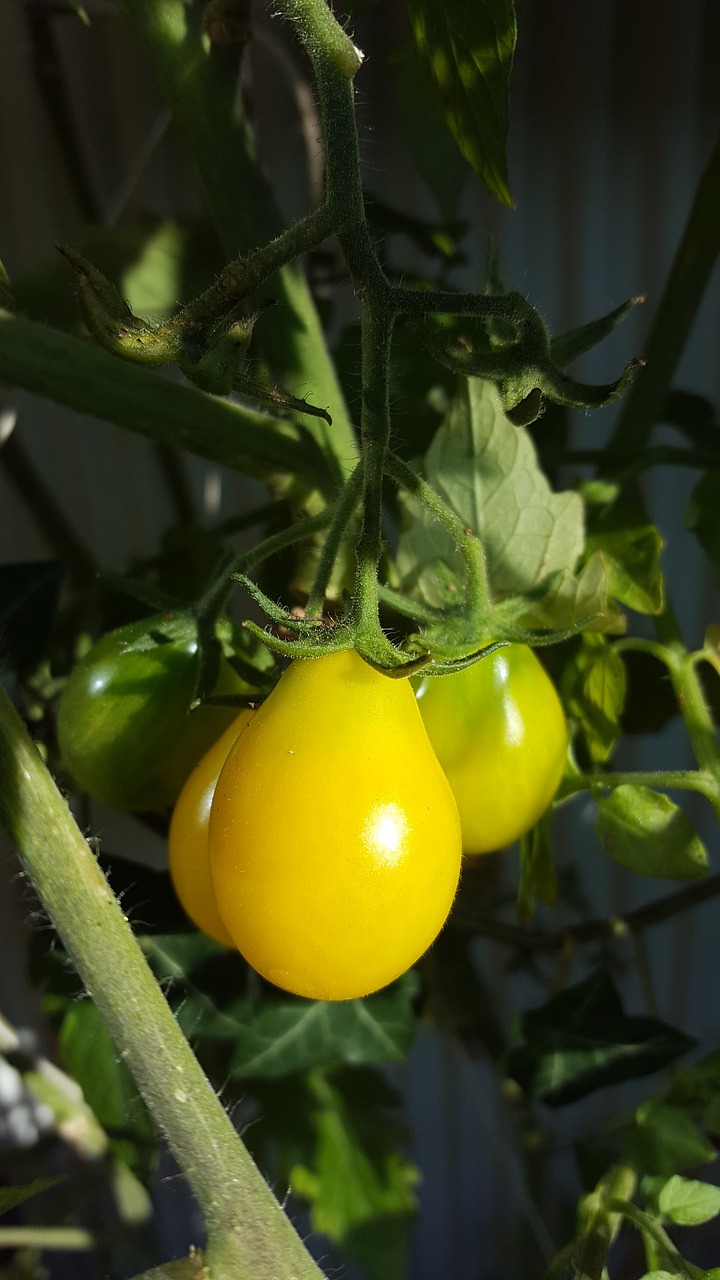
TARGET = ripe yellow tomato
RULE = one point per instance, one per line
(334, 836)
(189, 858)
(499, 731)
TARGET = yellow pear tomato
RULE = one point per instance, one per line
(334, 837)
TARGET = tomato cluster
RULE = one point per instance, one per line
(322, 834)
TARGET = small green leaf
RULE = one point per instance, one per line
(663, 1139)
(582, 1040)
(487, 470)
(643, 830)
(12, 1196)
(633, 547)
(467, 49)
(689, 1202)
(292, 1035)
(88, 1053)
(595, 694)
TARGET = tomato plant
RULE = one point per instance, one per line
(188, 853)
(334, 837)
(125, 729)
(499, 731)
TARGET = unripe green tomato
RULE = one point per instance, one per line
(499, 731)
(188, 853)
(334, 836)
(124, 727)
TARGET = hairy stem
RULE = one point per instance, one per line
(250, 1238)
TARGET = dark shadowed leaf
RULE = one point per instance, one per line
(12, 1196)
(582, 1040)
(467, 49)
(664, 1139)
(439, 163)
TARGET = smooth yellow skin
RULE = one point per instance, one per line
(189, 858)
(499, 731)
(334, 837)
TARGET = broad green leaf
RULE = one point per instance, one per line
(357, 1176)
(643, 830)
(467, 49)
(437, 160)
(664, 1139)
(88, 1053)
(703, 515)
(10, 1197)
(595, 694)
(633, 547)
(582, 1040)
(487, 470)
(689, 1202)
(292, 1035)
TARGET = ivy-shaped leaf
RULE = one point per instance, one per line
(358, 1180)
(487, 470)
(467, 47)
(582, 1040)
(643, 830)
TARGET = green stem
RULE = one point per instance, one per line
(89, 380)
(645, 917)
(65, 1239)
(666, 779)
(699, 722)
(250, 1238)
(344, 512)
(646, 1224)
(603, 1219)
(323, 35)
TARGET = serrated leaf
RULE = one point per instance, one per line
(688, 1202)
(633, 547)
(664, 1139)
(487, 470)
(582, 1040)
(10, 1197)
(643, 830)
(88, 1053)
(293, 1035)
(357, 1175)
(467, 48)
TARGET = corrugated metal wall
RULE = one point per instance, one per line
(615, 109)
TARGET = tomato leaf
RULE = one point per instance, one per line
(361, 1189)
(582, 1040)
(664, 1138)
(689, 1202)
(632, 546)
(467, 50)
(487, 470)
(594, 690)
(292, 1035)
(10, 1197)
(643, 830)
(87, 1052)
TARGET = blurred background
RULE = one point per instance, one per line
(615, 107)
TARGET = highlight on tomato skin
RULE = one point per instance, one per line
(334, 836)
(188, 853)
(499, 731)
